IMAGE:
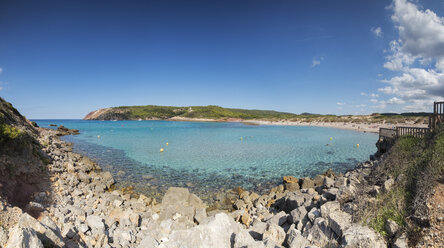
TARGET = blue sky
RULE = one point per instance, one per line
(63, 59)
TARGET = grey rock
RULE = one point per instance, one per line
(95, 223)
(298, 215)
(329, 207)
(391, 227)
(291, 201)
(148, 242)
(292, 186)
(69, 231)
(328, 182)
(108, 179)
(83, 228)
(257, 230)
(3, 237)
(217, 231)
(388, 184)
(23, 238)
(45, 234)
(200, 214)
(278, 219)
(295, 239)
(320, 234)
(244, 240)
(339, 221)
(331, 193)
(401, 242)
(313, 214)
(306, 183)
(239, 204)
(358, 236)
(274, 233)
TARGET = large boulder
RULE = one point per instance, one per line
(357, 236)
(217, 231)
(339, 221)
(180, 201)
(44, 233)
(23, 238)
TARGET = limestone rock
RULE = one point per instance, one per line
(339, 221)
(292, 186)
(290, 179)
(274, 233)
(401, 242)
(329, 207)
(244, 240)
(295, 239)
(95, 223)
(298, 215)
(387, 186)
(307, 183)
(358, 236)
(23, 238)
(148, 242)
(219, 231)
(45, 234)
(278, 219)
(391, 227)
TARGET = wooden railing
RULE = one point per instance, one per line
(418, 132)
(394, 133)
(387, 136)
(438, 115)
(387, 133)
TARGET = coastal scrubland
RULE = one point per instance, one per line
(412, 170)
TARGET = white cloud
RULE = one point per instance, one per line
(417, 56)
(377, 31)
(340, 103)
(373, 95)
(374, 100)
(316, 62)
(395, 100)
(1, 88)
(1, 70)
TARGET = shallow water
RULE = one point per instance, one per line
(208, 156)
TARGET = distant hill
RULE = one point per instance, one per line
(217, 113)
(168, 112)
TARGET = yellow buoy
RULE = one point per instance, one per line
(167, 143)
(161, 149)
(331, 138)
(357, 145)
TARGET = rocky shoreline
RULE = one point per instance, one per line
(80, 208)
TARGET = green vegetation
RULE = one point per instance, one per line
(416, 165)
(220, 113)
(8, 132)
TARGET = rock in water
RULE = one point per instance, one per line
(290, 179)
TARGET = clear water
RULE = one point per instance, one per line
(209, 156)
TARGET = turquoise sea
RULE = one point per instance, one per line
(207, 156)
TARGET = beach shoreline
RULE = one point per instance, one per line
(360, 127)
